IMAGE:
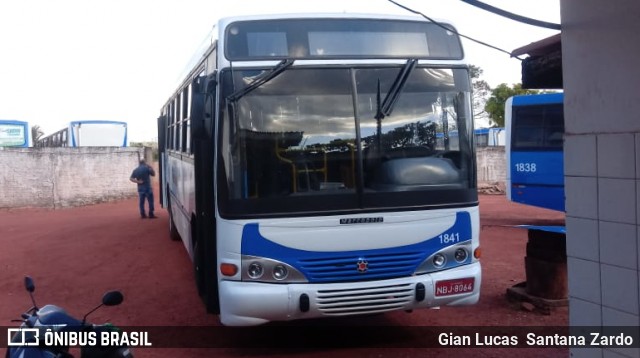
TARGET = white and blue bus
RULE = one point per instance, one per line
(535, 137)
(299, 167)
(14, 134)
(88, 133)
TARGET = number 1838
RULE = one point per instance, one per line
(526, 167)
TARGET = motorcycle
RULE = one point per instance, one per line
(64, 331)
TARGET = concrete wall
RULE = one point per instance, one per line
(492, 169)
(600, 50)
(62, 177)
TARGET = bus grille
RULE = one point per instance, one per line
(342, 269)
(364, 300)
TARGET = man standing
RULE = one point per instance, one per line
(142, 176)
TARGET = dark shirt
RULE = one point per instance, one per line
(143, 172)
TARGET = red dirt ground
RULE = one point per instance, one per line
(75, 255)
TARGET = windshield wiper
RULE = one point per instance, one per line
(386, 107)
(273, 73)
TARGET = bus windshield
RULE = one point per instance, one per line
(311, 139)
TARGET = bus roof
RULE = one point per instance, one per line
(13, 121)
(342, 15)
(535, 99)
(97, 122)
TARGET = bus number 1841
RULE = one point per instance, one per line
(451, 238)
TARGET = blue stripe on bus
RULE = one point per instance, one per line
(532, 100)
(547, 228)
(341, 266)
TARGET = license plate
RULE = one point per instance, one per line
(454, 287)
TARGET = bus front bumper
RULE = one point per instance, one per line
(254, 303)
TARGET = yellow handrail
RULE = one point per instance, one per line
(295, 171)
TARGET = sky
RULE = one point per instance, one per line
(68, 60)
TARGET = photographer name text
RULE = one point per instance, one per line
(593, 339)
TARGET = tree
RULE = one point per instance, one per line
(36, 133)
(499, 95)
(481, 91)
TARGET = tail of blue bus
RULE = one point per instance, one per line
(534, 150)
(88, 133)
(14, 134)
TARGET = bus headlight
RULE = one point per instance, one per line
(255, 270)
(439, 260)
(262, 269)
(460, 255)
(280, 272)
(448, 257)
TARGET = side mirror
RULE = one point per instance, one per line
(112, 298)
(29, 285)
(202, 99)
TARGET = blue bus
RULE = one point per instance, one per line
(299, 168)
(88, 133)
(490, 137)
(14, 134)
(534, 150)
(484, 137)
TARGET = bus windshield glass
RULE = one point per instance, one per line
(311, 139)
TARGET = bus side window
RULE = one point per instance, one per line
(555, 139)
